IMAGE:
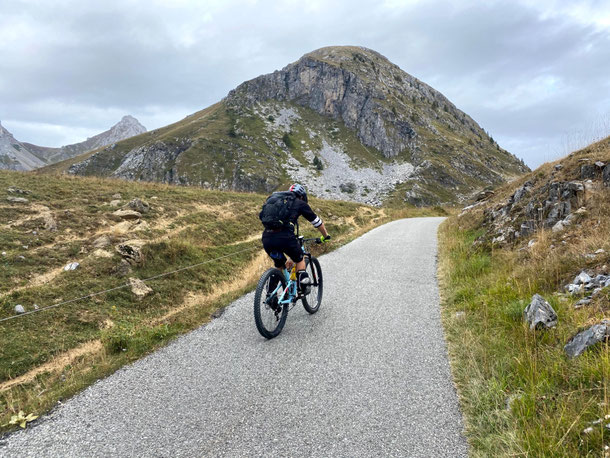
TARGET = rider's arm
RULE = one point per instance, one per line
(322, 230)
(314, 219)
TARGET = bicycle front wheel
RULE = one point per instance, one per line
(312, 301)
(269, 315)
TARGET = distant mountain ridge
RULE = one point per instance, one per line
(16, 155)
(344, 120)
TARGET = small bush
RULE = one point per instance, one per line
(318, 164)
(288, 140)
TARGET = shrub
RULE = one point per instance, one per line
(288, 140)
(318, 164)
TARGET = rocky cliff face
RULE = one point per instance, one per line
(343, 120)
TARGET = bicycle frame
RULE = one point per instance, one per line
(289, 295)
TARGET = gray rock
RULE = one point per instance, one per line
(131, 251)
(139, 205)
(17, 200)
(19, 309)
(539, 314)
(14, 190)
(139, 288)
(558, 167)
(560, 226)
(127, 214)
(584, 301)
(49, 222)
(587, 171)
(71, 266)
(117, 196)
(527, 228)
(587, 338)
(582, 278)
(606, 175)
(101, 242)
(600, 164)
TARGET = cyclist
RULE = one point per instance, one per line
(279, 215)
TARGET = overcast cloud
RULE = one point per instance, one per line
(535, 74)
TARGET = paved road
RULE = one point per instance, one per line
(366, 376)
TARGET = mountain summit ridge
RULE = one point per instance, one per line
(344, 120)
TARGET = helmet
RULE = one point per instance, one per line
(299, 190)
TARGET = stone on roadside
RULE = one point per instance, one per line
(587, 338)
(539, 314)
(19, 309)
(17, 200)
(127, 214)
(139, 288)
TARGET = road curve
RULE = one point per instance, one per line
(366, 376)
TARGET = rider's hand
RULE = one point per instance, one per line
(323, 239)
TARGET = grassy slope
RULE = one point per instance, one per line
(496, 357)
(60, 351)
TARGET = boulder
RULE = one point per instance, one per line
(139, 288)
(587, 338)
(127, 214)
(539, 314)
(49, 222)
(131, 251)
(606, 175)
(527, 228)
(19, 309)
(101, 242)
(17, 200)
(587, 171)
(139, 206)
(14, 190)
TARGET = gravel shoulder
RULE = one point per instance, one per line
(367, 375)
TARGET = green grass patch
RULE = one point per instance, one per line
(519, 393)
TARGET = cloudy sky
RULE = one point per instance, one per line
(534, 73)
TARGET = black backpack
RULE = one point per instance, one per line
(276, 210)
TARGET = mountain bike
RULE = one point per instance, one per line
(277, 292)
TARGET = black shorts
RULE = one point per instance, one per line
(277, 244)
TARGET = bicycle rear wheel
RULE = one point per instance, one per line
(269, 316)
(312, 301)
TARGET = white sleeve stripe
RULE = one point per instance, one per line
(316, 222)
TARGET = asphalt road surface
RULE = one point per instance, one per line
(366, 376)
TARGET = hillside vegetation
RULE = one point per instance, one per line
(521, 393)
(50, 222)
